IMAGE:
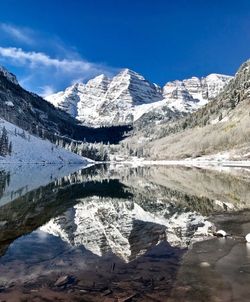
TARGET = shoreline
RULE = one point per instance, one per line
(191, 163)
(140, 163)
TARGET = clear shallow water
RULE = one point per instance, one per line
(121, 232)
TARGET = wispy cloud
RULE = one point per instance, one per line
(42, 62)
(21, 34)
(36, 59)
(46, 90)
(50, 72)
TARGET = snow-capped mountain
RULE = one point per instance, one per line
(127, 96)
(124, 227)
(190, 94)
(104, 101)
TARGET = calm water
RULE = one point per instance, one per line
(116, 233)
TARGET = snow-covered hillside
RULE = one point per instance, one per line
(27, 148)
(127, 96)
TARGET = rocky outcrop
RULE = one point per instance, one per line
(10, 76)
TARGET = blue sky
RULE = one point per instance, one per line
(52, 44)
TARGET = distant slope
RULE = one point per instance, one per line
(34, 114)
(27, 148)
(222, 125)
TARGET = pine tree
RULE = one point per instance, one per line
(10, 148)
(4, 143)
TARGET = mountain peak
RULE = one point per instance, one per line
(101, 77)
(10, 76)
(98, 80)
(244, 69)
(126, 72)
(217, 76)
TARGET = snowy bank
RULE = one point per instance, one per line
(196, 162)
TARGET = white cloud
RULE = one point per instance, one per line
(41, 72)
(46, 90)
(18, 33)
(54, 67)
(36, 59)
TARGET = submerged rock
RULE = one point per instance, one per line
(247, 237)
(221, 233)
(63, 280)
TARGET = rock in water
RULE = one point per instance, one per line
(221, 233)
(62, 281)
(247, 237)
(204, 264)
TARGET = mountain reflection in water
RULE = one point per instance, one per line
(132, 231)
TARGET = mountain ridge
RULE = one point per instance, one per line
(126, 97)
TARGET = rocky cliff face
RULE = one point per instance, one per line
(128, 96)
(68, 99)
(91, 98)
(127, 92)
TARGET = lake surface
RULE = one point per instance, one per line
(118, 233)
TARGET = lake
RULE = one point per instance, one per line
(122, 233)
